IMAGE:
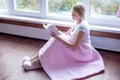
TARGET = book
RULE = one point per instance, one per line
(51, 28)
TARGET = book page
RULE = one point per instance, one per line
(51, 28)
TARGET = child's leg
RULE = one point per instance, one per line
(34, 57)
(35, 61)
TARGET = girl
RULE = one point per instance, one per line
(68, 56)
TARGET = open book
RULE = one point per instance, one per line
(51, 28)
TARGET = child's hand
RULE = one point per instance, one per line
(54, 35)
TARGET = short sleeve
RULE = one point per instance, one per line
(81, 28)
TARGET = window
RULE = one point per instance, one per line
(30, 8)
(104, 12)
(101, 7)
(61, 8)
(27, 5)
(3, 5)
(98, 12)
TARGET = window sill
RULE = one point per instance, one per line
(96, 30)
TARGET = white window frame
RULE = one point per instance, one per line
(110, 21)
(12, 10)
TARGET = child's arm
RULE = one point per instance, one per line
(74, 45)
(69, 30)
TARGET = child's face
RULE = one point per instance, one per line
(75, 16)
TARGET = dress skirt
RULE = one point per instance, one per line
(62, 63)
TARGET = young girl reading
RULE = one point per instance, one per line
(68, 56)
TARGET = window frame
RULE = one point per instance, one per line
(105, 21)
(12, 10)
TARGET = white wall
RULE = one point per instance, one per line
(97, 42)
(24, 31)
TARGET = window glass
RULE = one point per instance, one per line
(3, 5)
(60, 7)
(27, 5)
(104, 7)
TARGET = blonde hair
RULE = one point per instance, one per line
(79, 8)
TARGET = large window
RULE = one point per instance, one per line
(98, 12)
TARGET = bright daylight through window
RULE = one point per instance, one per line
(61, 8)
(104, 7)
(104, 12)
(3, 5)
(27, 5)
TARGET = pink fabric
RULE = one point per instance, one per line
(62, 63)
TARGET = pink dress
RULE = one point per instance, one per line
(62, 63)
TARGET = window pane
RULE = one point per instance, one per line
(104, 7)
(3, 5)
(60, 7)
(27, 5)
